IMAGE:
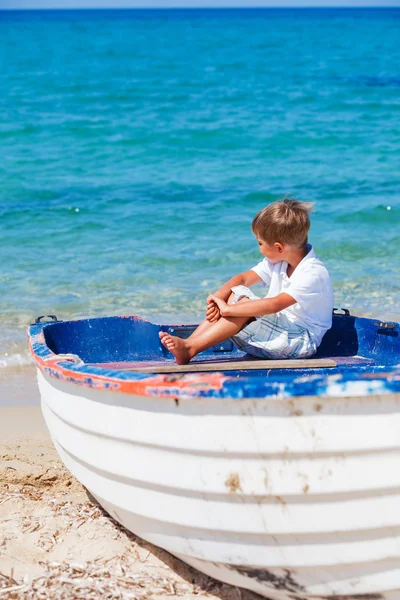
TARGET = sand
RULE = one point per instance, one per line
(56, 542)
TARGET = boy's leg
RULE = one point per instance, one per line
(185, 350)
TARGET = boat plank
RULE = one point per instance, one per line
(237, 365)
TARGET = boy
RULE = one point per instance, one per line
(291, 320)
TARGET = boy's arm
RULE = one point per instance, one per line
(254, 308)
(246, 278)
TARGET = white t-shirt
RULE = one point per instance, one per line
(309, 285)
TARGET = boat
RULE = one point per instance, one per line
(281, 477)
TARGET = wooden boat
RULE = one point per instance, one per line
(281, 477)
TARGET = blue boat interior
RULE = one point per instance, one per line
(354, 343)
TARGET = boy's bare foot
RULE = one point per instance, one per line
(177, 346)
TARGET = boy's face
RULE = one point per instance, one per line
(272, 252)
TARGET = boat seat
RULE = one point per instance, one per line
(206, 366)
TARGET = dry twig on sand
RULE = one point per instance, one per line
(95, 580)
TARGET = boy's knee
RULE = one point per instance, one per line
(241, 299)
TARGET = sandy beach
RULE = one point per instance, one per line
(56, 542)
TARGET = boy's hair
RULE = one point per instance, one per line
(285, 221)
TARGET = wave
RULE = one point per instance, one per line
(17, 359)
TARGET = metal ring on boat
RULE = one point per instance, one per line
(345, 311)
(48, 319)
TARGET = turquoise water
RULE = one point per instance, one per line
(136, 146)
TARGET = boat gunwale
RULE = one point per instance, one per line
(71, 369)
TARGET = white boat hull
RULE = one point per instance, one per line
(289, 497)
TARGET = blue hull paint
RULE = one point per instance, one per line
(367, 352)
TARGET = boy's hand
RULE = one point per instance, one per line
(221, 304)
(212, 312)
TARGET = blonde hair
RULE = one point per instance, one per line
(285, 221)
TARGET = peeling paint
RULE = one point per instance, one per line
(284, 582)
(233, 482)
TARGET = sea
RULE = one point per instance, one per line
(137, 145)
